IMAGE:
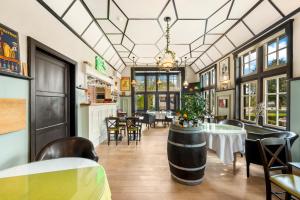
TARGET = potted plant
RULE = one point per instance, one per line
(192, 109)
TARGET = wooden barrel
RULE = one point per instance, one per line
(187, 154)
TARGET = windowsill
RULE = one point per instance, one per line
(274, 67)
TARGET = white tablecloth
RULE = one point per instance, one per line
(225, 140)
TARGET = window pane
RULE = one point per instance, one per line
(252, 114)
(246, 114)
(151, 83)
(252, 101)
(282, 118)
(272, 47)
(271, 84)
(174, 83)
(252, 66)
(172, 101)
(282, 85)
(140, 83)
(282, 102)
(253, 56)
(246, 89)
(246, 58)
(139, 102)
(162, 102)
(271, 102)
(272, 60)
(163, 83)
(271, 117)
(246, 69)
(282, 42)
(151, 101)
(252, 89)
(282, 56)
(212, 77)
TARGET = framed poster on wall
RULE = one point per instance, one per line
(224, 70)
(9, 50)
(125, 84)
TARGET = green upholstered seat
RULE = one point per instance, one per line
(288, 182)
(133, 129)
(113, 129)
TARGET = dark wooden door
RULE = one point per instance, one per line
(51, 101)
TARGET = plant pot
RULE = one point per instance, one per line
(187, 154)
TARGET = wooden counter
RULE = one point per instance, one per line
(93, 120)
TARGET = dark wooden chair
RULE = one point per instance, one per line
(251, 151)
(219, 118)
(122, 122)
(271, 150)
(112, 126)
(68, 147)
(133, 129)
(232, 122)
(148, 119)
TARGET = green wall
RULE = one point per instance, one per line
(295, 110)
(14, 146)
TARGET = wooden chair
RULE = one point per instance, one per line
(68, 147)
(112, 125)
(133, 129)
(122, 122)
(271, 150)
(219, 118)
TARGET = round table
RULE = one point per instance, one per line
(63, 179)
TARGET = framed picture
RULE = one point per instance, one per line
(125, 84)
(224, 70)
(223, 103)
(9, 50)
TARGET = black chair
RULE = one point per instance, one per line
(133, 129)
(219, 118)
(232, 123)
(148, 119)
(68, 147)
(251, 150)
(112, 126)
(275, 155)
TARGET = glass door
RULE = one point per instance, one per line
(174, 101)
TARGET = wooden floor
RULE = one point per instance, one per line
(142, 172)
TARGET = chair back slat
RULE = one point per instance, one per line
(112, 122)
(131, 122)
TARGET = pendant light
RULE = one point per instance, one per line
(133, 82)
(185, 83)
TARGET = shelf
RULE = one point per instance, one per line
(14, 75)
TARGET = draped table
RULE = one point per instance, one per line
(225, 140)
(57, 179)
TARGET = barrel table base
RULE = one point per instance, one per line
(187, 154)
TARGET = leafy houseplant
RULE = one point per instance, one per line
(192, 107)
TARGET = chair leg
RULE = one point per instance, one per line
(116, 137)
(108, 139)
(128, 137)
(248, 169)
(268, 191)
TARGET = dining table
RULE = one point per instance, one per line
(56, 179)
(226, 140)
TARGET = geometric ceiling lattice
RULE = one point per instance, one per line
(201, 31)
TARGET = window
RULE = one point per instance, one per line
(276, 52)
(162, 101)
(140, 83)
(249, 63)
(248, 101)
(276, 101)
(205, 79)
(174, 82)
(151, 102)
(139, 102)
(213, 77)
(151, 83)
(212, 101)
(163, 85)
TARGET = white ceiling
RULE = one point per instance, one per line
(201, 31)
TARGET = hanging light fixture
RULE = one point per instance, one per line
(168, 60)
(185, 83)
(133, 82)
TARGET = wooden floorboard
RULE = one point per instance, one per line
(142, 172)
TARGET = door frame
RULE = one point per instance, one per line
(32, 46)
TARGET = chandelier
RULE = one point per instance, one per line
(168, 60)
